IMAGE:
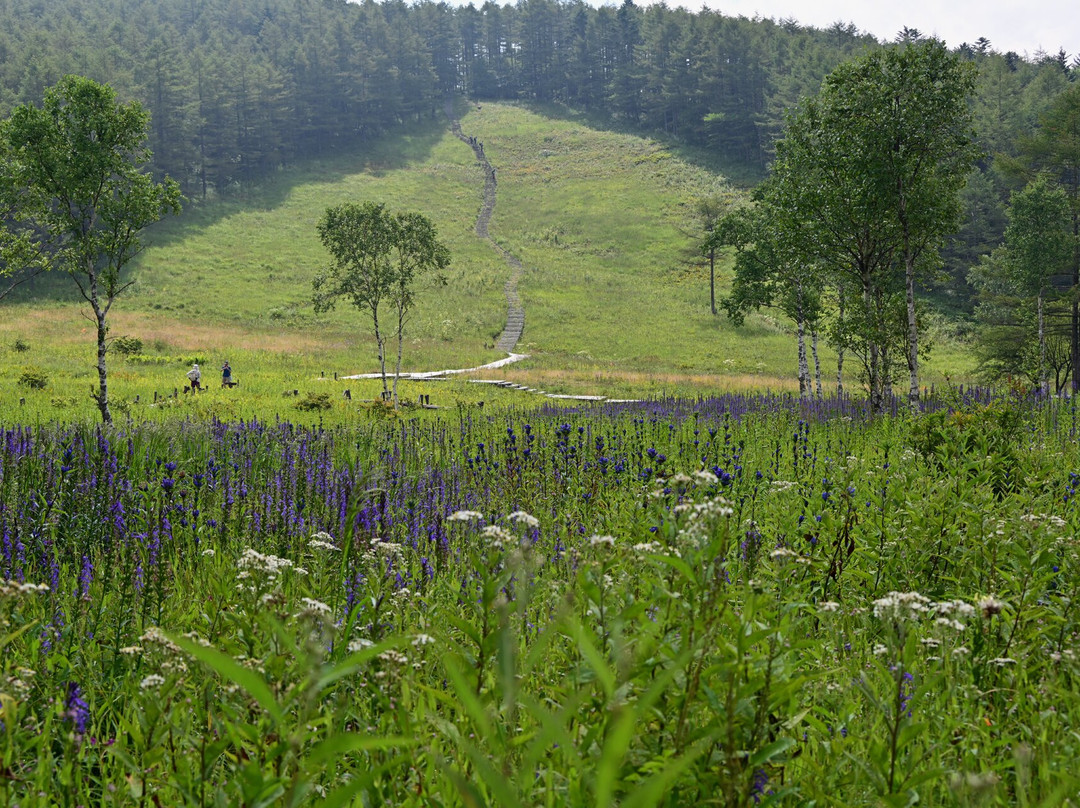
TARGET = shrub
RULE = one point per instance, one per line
(127, 346)
(150, 359)
(314, 401)
(20, 345)
(33, 377)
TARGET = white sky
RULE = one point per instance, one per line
(1021, 27)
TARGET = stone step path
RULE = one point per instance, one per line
(515, 311)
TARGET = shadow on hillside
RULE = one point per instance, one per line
(738, 174)
(377, 157)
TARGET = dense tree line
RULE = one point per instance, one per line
(239, 87)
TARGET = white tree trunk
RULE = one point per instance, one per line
(804, 368)
(817, 362)
(1044, 381)
(913, 334)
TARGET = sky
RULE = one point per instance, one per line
(1021, 27)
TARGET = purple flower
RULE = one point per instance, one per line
(76, 710)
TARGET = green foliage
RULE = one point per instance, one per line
(72, 177)
(20, 345)
(976, 440)
(33, 377)
(127, 346)
(864, 190)
(314, 401)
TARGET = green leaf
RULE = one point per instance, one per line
(230, 670)
(338, 746)
(767, 753)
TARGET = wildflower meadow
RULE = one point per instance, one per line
(741, 600)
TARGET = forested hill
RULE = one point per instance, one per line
(239, 87)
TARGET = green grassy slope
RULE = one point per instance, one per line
(601, 222)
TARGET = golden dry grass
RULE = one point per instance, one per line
(70, 325)
(617, 382)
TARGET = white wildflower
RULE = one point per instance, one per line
(359, 644)
(313, 608)
(420, 640)
(151, 682)
(829, 606)
(498, 536)
(901, 606)
(597, 541)
(525, 518)
(956, 625)
(464, 516)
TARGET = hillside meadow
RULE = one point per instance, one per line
(616, 300)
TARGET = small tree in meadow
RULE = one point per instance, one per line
(76, 196)
(377, 258)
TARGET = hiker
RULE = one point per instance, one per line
(226, 374)
(194, 376)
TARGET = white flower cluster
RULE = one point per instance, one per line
(11, 589)
(527, 519)
(173, 659)
(700, 517)
(782, 553)
(464, 516)
(152, 682)
(313, 609)
(601, 541)
(378, 548)
(902, 606)
(323, 541)
(254, 562)
(498, 537)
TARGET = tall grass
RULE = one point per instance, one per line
(744, 599)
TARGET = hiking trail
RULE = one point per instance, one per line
(515, 311)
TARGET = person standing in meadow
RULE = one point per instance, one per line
(195, 376)
(226, 374)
